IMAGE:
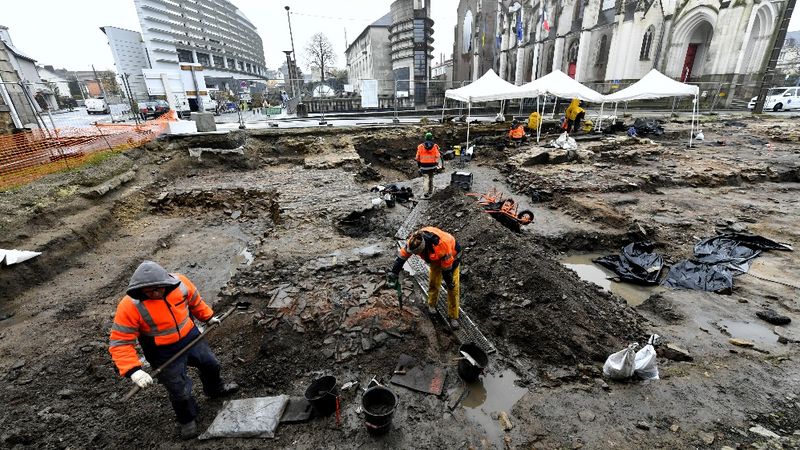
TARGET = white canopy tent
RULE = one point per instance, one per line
(657, 85)
(559, 84)
(487, 88)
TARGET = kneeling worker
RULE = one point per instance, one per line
(443, 253)
(157, 312)
(428, 160)
(517, 133)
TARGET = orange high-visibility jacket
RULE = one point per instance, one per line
(443, 253)
(517, 133)
(428, 157)
(165, 321)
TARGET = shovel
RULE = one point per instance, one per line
(241, 306)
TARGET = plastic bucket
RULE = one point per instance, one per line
(322, 395)
(379, 404)
(468, 371)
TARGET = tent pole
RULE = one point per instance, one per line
(444, 103)
(615, 108)
(691, 133)
(469, 108)
(541, 122)
(555, 103)
(599, 120)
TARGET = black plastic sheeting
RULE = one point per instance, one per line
(646, 127)
(717, 260)
(637, 264)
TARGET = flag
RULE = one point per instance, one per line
(545, 22)
(519, 26)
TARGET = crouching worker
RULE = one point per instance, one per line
(428, 160)
(574, 116)
(443, 253)
(157, 312)
(516, 135)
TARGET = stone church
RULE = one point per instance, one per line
(602, 41)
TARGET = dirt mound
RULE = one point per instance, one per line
(518, 293)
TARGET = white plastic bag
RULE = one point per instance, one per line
(645, 363)
(565, 142)
(620, 365)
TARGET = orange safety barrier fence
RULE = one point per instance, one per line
(30, 155)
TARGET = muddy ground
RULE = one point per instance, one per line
(282, 219)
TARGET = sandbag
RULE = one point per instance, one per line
(620, 365)
(645, 362)
(565, 142)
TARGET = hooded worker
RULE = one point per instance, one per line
(574, 116)
(516, 133)
(157, 312)
(428, 159)
(443, 254)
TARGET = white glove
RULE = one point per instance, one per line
(213, 320)
(142, 378)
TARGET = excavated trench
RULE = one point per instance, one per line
(283, 219)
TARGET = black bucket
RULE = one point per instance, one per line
(468, 371)
(322, 395)
(378, 404)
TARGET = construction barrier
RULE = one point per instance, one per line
(31, 154)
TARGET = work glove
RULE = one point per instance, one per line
(213, 320)
(142, 378)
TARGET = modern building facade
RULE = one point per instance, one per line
(411, 41)
(213, 33)
(130, 57)
(369, 57)
(615, 40)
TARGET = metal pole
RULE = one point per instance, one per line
(36, 112)
(469, 108)
(396, 119)
(772, 59)
(7, 99)
(291, 37)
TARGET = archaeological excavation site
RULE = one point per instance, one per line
(632, 292)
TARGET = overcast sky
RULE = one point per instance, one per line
(66, 33)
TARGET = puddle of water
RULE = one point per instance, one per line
(588, 271)
(752, 332)
(496, 392)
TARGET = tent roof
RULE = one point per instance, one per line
(653, 85)
(561, 85)
(487, 88)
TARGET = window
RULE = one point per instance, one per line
(578, 14)
(218, 61)
(185, 56)
(419, 30)
(647, 41)
(420, 63)
(550, 55)
(608, 4)
(572, 54)
(203, 59)
(602, 52)
(241, 66)
(231, 63)
(466, 36)
(247, 67)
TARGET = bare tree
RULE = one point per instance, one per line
(320, 54)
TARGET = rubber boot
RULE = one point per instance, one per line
(189, 430)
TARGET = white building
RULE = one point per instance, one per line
(368, 57)
(25, 67)
(213, 33)
(55, 80)
(130, 57)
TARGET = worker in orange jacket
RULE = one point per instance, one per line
(157, 312)
(443, 254)
(517, 133)
(428, 160)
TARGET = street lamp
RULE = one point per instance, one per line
(291, 38)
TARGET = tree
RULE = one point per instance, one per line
(320, 54)
(338, 79)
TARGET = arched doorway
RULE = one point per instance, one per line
(696, 51)
(762, 29)
(572, 58)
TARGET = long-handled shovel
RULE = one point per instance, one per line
(241, 306)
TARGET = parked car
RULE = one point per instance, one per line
(780, 98)
(153, 109)
(97, 106)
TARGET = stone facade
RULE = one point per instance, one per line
(599, 41)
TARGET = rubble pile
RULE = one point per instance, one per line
(236, 202)
(517, 292)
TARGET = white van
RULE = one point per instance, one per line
(97, 106)
(780, 99)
